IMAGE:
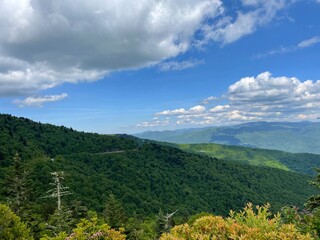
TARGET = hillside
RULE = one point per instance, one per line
(297, 162)
(144, 176)
(295, 137)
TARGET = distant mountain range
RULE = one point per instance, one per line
(295, 137)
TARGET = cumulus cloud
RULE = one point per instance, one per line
(181, 111)
(46, 43)
(230, 29)
(178, 66)
(208, 100)
(39, 101)
(219, 108)
(256, 98)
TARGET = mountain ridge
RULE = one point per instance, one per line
(295, 137)
(143, 175)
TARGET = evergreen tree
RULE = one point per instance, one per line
(18, 187)
(114, 213)
(164, 222)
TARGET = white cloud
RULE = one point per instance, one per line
(262, 97)
(303, 44)
(228, 30)
(178, 66)
(197, 109)
(268, 90)
(309, 42)
(26, 81)
(181, 111)
(208, 100)
(47, 43)
(155, 123)
(39, 101)
(219, 108)
(171, 112)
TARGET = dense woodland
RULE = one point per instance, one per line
(298, 162)
(131, 184)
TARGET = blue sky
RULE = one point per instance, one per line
(125, 67)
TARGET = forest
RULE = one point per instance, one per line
(57, 183)
(298, 162)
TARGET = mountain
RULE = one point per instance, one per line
(298, 162)
(143, 175)
(296, 137)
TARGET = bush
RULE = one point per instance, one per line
(11, 227)
(247, 224)
(89, 229)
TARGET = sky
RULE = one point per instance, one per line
(116, 66)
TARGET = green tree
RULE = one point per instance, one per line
(11, 227)
(307, 220)
(163, 222)
(114, 213)
(314, 201)
(18, 187)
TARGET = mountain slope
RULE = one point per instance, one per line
(298, 162)
(298, 137)
(145, 176)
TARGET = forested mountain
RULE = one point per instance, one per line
(298, 162)
(144, 176)
(296, 137)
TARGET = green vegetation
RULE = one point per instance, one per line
(119, 181)
(298, 162)
(299, 137)
(250, 223)
(11, 227)
(89, 229)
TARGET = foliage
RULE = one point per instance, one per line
(314, 201)
(114, 213)
(308, 220)
(298, 162)
(247, 224)
(90, 229)
(164, 222)
(305, 221)
(11, 228)
(143, 176)
(18, 187)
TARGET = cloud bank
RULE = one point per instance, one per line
(47, 43)
(263, 97)
(44, 44)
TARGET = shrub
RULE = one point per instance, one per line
(248, 224)
(11, 227)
